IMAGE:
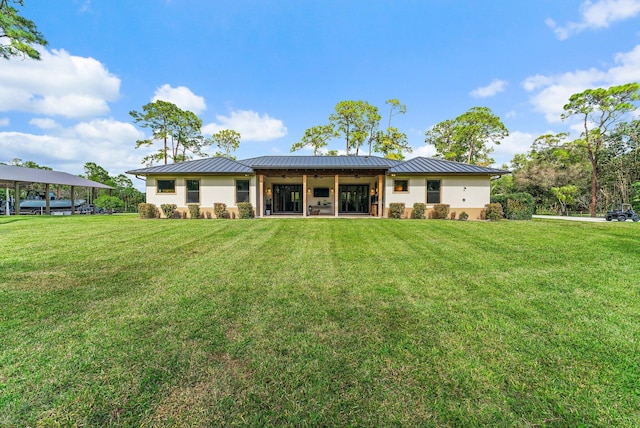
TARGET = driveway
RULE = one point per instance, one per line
(562, 217)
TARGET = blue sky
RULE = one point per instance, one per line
(272, 68)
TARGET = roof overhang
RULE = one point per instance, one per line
(10, 175)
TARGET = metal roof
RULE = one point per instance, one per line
(327, 162)
(11, 174)
(215, 165)
(222, 165)
(422, 165)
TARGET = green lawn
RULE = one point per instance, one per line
(112, 320)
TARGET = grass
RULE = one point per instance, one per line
(116, 321)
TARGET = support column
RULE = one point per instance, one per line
(47, 199)
(7, 211)
(304, 195)
(16, 199)
(261, 196)
(335, 196)
(380, 193)
(73, 200)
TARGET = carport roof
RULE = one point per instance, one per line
(10, 174)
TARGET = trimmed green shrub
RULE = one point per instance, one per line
(109, 203)
(396, 209)
(441, 211)
(463, 216)
(245, 210)
(220, 210)
(194, 210)
(493, 211)
(147, 210)
(419, 209)
(516, 206)
(168, 210)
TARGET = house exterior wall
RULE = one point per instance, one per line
(213, 189)
(462, 193)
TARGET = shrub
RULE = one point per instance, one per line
(419, 209)
(147, 210)
(441, 211)
(168, 210)
(194, 210)
(515, 206)
(245, 210)
(109, 203)
(520, 206)
(493, 211)
(220, 210)
(452, 216)
(396, 209)
(463, 216)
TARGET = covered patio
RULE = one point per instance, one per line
(320, 192)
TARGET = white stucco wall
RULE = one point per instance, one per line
(457, 191)
(212, 190)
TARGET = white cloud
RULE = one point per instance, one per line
(107, 142)
(59, 84)
(598, 14)
(5, 121)
(425, 151)
(44, 123)
(490, 90)
(182, 97)
(551, 93)
(516, 142)
(250, 125)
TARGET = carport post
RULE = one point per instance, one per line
(6, 202)
(16, 202)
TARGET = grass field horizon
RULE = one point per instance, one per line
(117, 321)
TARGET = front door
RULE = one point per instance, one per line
(287, 198)
(354, 198)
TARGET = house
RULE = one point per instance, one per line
(320, 185)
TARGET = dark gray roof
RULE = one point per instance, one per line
(11, 174)
(300, 162)
(215, 165)
(438, 166)
(222, 165)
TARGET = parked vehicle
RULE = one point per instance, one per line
(626, 211)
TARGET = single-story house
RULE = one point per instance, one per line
(320, 185)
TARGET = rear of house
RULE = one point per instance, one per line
(334, 186)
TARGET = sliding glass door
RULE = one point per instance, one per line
(287, 198)
(354, 199)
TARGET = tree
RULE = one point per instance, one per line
(395, 109)
(467, 138)
(356, 120)
(316, 137)
(599, 110)
(228, 141)
(27, 164)
(392, 144)
(109, 203)
(565, 195)
(178, 130)
(21, 33)
(97, 173)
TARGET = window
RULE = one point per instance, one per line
(433, 191)
(166, 186)
(193, 191)
(242, 191)
(400, 185)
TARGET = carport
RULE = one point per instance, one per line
(15, 176)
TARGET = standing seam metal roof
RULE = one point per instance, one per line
(352, 162)
(215, 165)
(10, 173)
(422, 165)
(222, 165)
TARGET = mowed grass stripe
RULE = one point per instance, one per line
(113, 320)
